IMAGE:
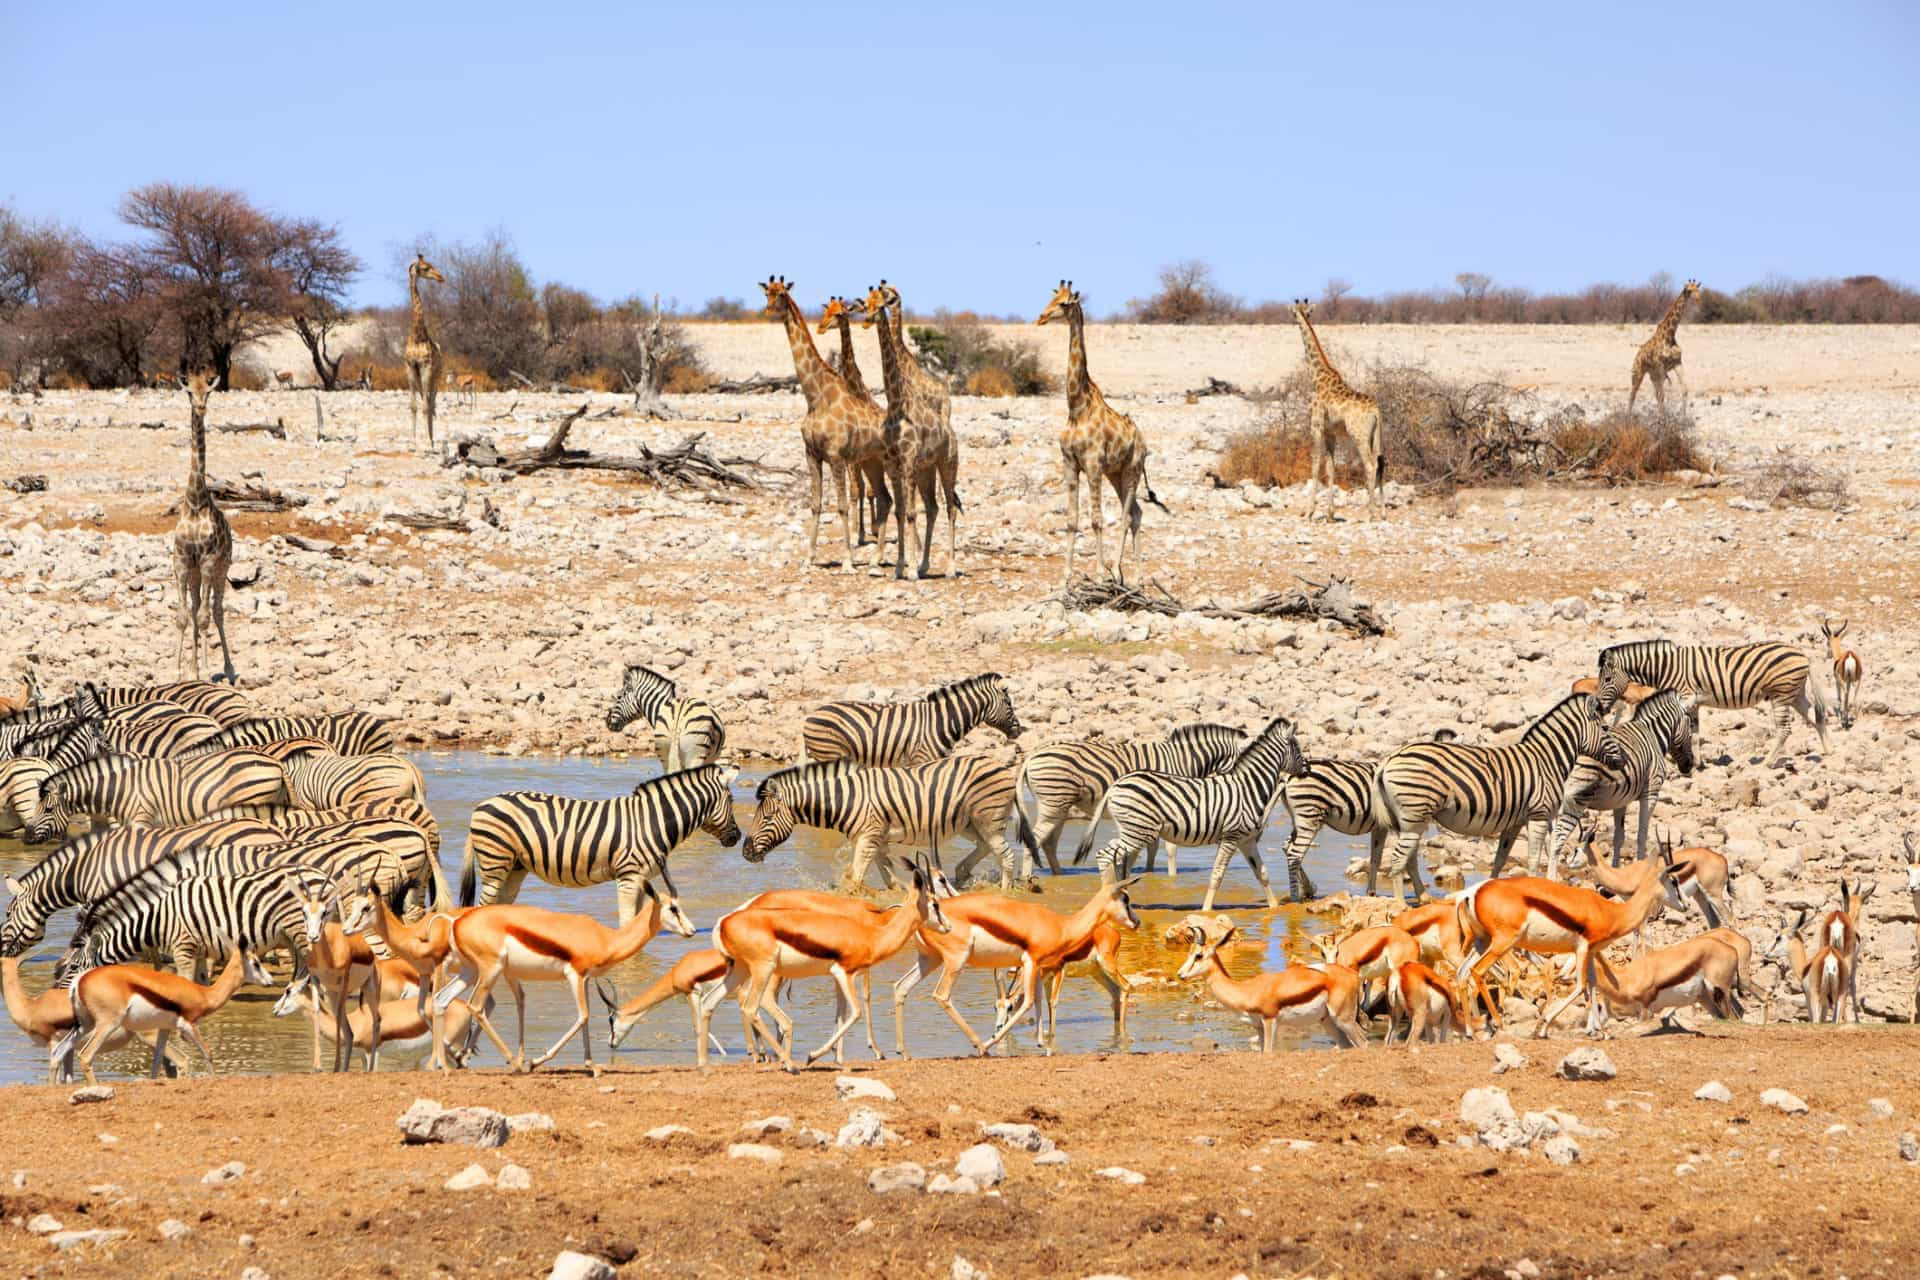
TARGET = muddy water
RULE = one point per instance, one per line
(1164, 1016)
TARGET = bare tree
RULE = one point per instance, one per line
(102, 317)
(1331, 295)
(319, 270)
(1187, 295)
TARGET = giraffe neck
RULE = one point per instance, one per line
(892, 372)
(849, 367)
(814, 375)
(1316, 354)
(197, 464)
(1670, 322)
(419, 332)
(1079, 381)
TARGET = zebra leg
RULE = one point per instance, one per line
(864, 846)
(1647, 801)
(1563, 829)
(1620, 835)
(1782, 727)
(1305, 830)
(627, 890)
(1406, 852)
(1251, 847)
(1221, 857)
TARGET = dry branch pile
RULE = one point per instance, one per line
(1330, 599)
(685, 464)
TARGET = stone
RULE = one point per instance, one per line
(665, 1132)
(428, 1121)
(983, 1164)
(1528, 1269)
(1586, 1064)
(809, 1137)
(65, 1240)
(1880, 1108)
(1051, 1157)
(864, 1128)
(1120, 1174)
(174, 1229)
(1561, 1150)
(753, 1151)
(231, 1171)
(254, 1273)
(853, 1088)
(766, 1125)
(942, 1185)
(471, 1178)
(964, 1270)
(1713, 1091)
(1781, 1100)
(44, 1224)
(1489, 1112)
(530, 1122)
(1910, 1147)
(1018, 1137)
(513, 1178)
(1507, 1058)
(889, 1178)
(90, 1093)
(568, 1265)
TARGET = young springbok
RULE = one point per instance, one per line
(531, 944)
(1375, 954)
(1822, 975)
(1700, 875)
(1417, 993)
(130, 997)
(762, 946)
(1103, 949)
(988, 931)
(1847, 670)
(1840, 932)
(29, 694)
(423, 946)
(1551, 918)
(1701, 972)
(1326, 995)
(399, 1027)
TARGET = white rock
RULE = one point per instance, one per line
(44, 1224)
(1713, 1091)
(90, 1093)
(663, 1132)
(1910, 1147)
(428, 1121)
(1489, 1112)
(174, 1229)
(964, 1270)
(753, 1151)
(65, 1240)
(1880, 1108)
(1507, 1058)
(1561, 1150)
(513, 1178)
(1586, 1064)
(853, 1088)
(569, 1265)
(471, 1178)
(1528, 1269)
(768, 1124)
(1781, 1100)
(889, 1178)
(1051, 1157)
(983, 1164)
(864, 1128)
(530, 1122)
(1119, 1174)
(254, 1273)
(1018, 1137)
(227, 1172)
(942, 1185)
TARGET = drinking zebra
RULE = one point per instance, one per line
(908, 733)
(1631, 765)
(1226, 809)
(1336, 794)
(687, 732)
(161, 793)
(1483, 791)
(200, 916)
(1070, 777)
(20, 792)
(1722, 676)
(580, 842)
(926, 803)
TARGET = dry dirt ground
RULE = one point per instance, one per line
(1305, 1164)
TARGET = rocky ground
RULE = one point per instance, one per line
(1788, 1153)
(513, 636)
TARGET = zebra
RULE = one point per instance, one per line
(1631, 765)
(1483, 791)
(926, 803)
(350, 733)
(908, 733)
(164, 793)
(88, 868)
(288, 818)
(20, 781)
(1070, 777)
(1226, 809)
(173, 731)
(318, 778)
(1721, 676)
(686, 731)
(200, 916)
(219, 701)
(1336, 794)
(66, 743)
(580, 842)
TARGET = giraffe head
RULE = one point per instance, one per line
(879, 298)
(1690, 290)
(779, 291)
(837, 307)
(1303, 310)
(1064, 300)
(199, 385)
(421, 269)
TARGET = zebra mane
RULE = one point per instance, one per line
(1652, 707)
(634, 669)
(1255, 740)
(802, 773)
(968, 685)
(1190, 732)
(1613, 653)
(1559, 711)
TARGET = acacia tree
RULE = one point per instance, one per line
(319, 269)
(32, 256)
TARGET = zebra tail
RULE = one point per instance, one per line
(1024, 830)
(1086, 840)
(1386, 813)
(468, 876)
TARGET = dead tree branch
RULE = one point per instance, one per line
(1330, 599)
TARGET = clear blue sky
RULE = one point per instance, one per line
(974, 153)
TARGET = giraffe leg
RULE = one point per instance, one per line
(902, 510)
(1659, 390)
(414, 374)
(815, 480)
(1372, 463)
(949, 478)
(217, 605)
(860, 506)
(432, 394)
(1634, 394)
(930, 505)
(1125, 487)
(1679, 376)
(1317, 437)
(1099, 522)
(840, 504)
(186, 579)
(1073, 516)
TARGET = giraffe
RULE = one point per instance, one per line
(1336, 405)
(846, 430)
(202, 544)
(921, 400)
(1660, 355)
(872, 476)
(1099, 443)
(423, 353)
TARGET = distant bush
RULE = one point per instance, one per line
(1187, 295)
(961, 349)
(728, 309)
(1789, 480)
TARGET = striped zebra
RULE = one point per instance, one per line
(1631, 765)
(66, 743)
(89, 868)
(908, 733)
(83, 704)
(158, 729)
(1483, 791)
(221, 702)
(159, 793)
(1722, 676)
(687, 732)
(1068, 778)
(1336, 794)
(926, 803)
(201, 916)
(319, 778)
(20, 792)
(350, 733)
(1228, 810)
(580, 842)
(288, 818)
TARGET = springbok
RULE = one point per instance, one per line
(399, 1026)
(692, 975)
(423, 946)
(1375, 954)
(1419, 994)
(1700, 875)
(531, 944)
(1847, 670)
(1320, 994)
(130, 997)
(1840, 932)
(1703, 972)
(1823, 975)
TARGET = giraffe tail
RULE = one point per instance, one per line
(1152, 497)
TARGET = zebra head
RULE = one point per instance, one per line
(1590, 732)
(1612, 685)
(998, 709)
(642, 693)
(718, 821)
(55, 816)
(1207, 936)
(17, 931)
(772, 822)
(1680, 748)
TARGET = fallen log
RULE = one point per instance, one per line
(1330, 599)
(26, 484)
(249, 496)
(758, 384)
(686, 464)
(1215, 387)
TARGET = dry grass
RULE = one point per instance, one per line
(1792, 481)
(992, 382)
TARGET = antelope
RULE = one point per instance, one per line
(130, 997)
(29, 694)
(531, 944)
(1436, 927)
(397, 1026)
(762, 946)
(285, 378)
(1699, 972)
(1743, 952)
(1635, 693)
(1840, 932)
(47, 1020)
(1700, 874)
(1103, 949)
(1550, 918)
(1822, 976)
(692, 975)
(1322, 994)
(423, 947)
(461, 384)
(1913, 890)
(337, 962)
(1847, 669)
(1428, 1003)
(988, 931)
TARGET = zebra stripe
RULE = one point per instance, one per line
(581, 842)
(202, 916)
(1070, 777)
(20, 792)
(687, 732)
(161, 793)
(1226, 809)
(1723, 676)
(1336, 794)
(908, 733)
(66, 743)
(219, 701)
(1483, 791)
(1631, 765)
(350, 733)
(288, 818)
(926, 803)
(319, 779)
(158, 729)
